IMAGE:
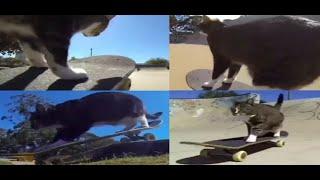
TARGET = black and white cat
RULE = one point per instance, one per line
(280, 52)
(262, 118)
(74, 117)
(45, 39)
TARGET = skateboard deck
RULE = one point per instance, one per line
(152, 124)
(196, 78)
(105, 73)
(236, 143)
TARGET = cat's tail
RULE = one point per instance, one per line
(153, 116)
(279, 102)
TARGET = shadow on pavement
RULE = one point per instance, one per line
(21, 81)
(219, 156)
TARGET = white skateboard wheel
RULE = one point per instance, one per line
(239, 156)
(280, 143)
(149, 137)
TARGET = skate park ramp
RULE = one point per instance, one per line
(150, 78)
(185, 58)
(201, 120)
(105, 73)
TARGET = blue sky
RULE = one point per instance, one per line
(139, 37)
(154, 101)
(266, 95)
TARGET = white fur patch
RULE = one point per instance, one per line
(143, 121)
(24, 30)
(35, 58)
(65, 72)
(251, 138)
(277, 134)
(88, 31)
(70, 73)
(237, 110)
(230, 80)
(128, 122)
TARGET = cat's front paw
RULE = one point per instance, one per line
(277, 134)
(71, 73)
(252, 138)
(80, 73)
(145, 126)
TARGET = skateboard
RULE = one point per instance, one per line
(196, 78)
(61, 152)
(236, 146)
(104, 72)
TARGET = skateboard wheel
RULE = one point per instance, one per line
(125, 140)
(280, 143)
(149, 137)
(205, 153)
(239, 156)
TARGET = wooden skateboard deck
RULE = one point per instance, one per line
(105, 73)
(196, 78)
(236, 143)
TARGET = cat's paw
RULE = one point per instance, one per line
(71, 73)
(145, 126)
(277, 134)
(252, 138)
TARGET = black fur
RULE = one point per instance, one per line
(264, 118)
(280, 52)
(77, 116)
(52, 33)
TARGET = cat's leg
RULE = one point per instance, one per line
(277, 133)
(232, 74)
(248, 129)
(221, 64)
(143, 121)
(33, 54)
(253, 135)
(129, 123)
(56, 54)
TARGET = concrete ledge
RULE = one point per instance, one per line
(105, 73)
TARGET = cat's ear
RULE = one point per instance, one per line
(205, 19)
(40, 108)
(110, 16)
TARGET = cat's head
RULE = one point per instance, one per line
(93, 25)
(41, 117)
(208, 25)
(244, 108)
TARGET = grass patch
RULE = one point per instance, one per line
(5, 163)
(145, 160)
